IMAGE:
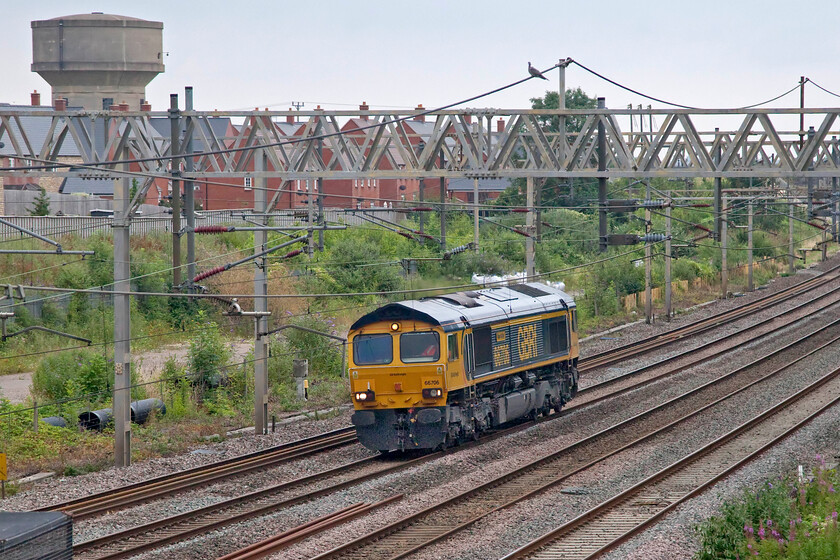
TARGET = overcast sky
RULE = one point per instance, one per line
(267, 53)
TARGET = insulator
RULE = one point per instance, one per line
(520, 232)
(520, 210)
(291, 254)
(652, 203)
(213, 229)
(652, 238)
(404, 234)
(211, 272)
(460, 249)
(704, 228)
(421, 209)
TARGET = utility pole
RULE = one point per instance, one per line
(724, 266)
(648, 267)
(801, 114)
(320, 188)
(421, 192)
(475, 215)
(790, 228)
(530, 266)
(750, 283)
(602, 181)
(561, 105)
(835, 209)
(260, 301)
(122, 319)
(717, 194)
(310, 219)
(668, 258)
(189, 190)
(442, 208)
(538, 210)
(175, 189)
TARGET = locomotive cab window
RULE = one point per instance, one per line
(469, 359)
(574, 320)
(452, 347)
(373, 349)
(419, 347)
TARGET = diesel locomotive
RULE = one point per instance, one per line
(429, 373)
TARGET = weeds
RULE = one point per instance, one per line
(788, 519)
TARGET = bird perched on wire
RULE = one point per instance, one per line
(535, 73)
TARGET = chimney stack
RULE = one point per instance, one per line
(60, 104)
(123, 106)
(35, 97)
(145, 106)
(420, 118)
(364, 107)
(290, 119)
(500, 125)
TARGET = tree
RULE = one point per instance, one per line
(556, 192)
(575, 99)
(42, 205)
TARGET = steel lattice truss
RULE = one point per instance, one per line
(469, 143)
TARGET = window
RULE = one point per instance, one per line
(557, 335)
(249, 183)
(469, 360)
(452, 347)
(483, 348)
(574, 320)
(373, 349)
(419, 347)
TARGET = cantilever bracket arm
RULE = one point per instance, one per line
(45, 329)
(56, 244)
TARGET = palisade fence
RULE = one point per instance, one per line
(86, 226)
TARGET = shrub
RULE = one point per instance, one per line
(73, 373)
(208, 353)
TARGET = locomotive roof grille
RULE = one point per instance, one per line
(528, 290)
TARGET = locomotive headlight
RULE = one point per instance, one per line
(432, 393)
(395, 327)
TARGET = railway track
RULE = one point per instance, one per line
(681, 361)
(606, 526)
(286, 538)
(168, 485)
(179, 527)
(650, 343)
(445, 519)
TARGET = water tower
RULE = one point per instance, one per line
(97, 60)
